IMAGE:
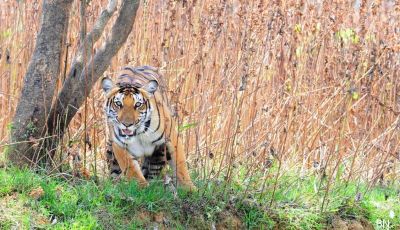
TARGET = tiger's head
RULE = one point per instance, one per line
(128, 106)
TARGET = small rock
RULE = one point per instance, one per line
(213, 226)
(53, 220)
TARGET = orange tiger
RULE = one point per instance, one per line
(140, 125)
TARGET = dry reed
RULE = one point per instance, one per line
(307, 85)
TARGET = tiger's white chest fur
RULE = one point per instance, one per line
(137, 146)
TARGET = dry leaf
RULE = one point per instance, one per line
(37, 193)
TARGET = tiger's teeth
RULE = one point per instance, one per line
(127, 132)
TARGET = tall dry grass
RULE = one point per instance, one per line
(311, 87)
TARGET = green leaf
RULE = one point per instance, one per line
(297, 28)
(355, 95)
(186, 126)
(6, 34)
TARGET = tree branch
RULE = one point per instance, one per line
(93, 36)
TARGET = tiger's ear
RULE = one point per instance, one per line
(107, 84)
(151, 87)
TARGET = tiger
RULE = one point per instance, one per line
(141, 127)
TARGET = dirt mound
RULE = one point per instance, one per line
(341, 224)
(226, 220)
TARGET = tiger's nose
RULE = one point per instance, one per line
(127, 124)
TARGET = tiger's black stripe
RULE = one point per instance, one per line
(159, 120)
(113, 166)
(159, 138)
(154, 164)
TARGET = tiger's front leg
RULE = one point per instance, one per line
(114, 169)
(129, 166)
(178, 162)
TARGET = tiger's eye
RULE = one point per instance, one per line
(118, 103)
(138, 105)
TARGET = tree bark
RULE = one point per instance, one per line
(29, 123)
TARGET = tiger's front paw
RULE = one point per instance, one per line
(190, 187)
(143, 184)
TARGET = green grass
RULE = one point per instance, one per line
(78, 204)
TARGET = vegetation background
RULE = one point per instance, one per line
(292, 105)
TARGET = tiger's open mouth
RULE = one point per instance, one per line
(127, 132)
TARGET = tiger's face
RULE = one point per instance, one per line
(128, 108)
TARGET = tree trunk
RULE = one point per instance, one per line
(29, 124)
